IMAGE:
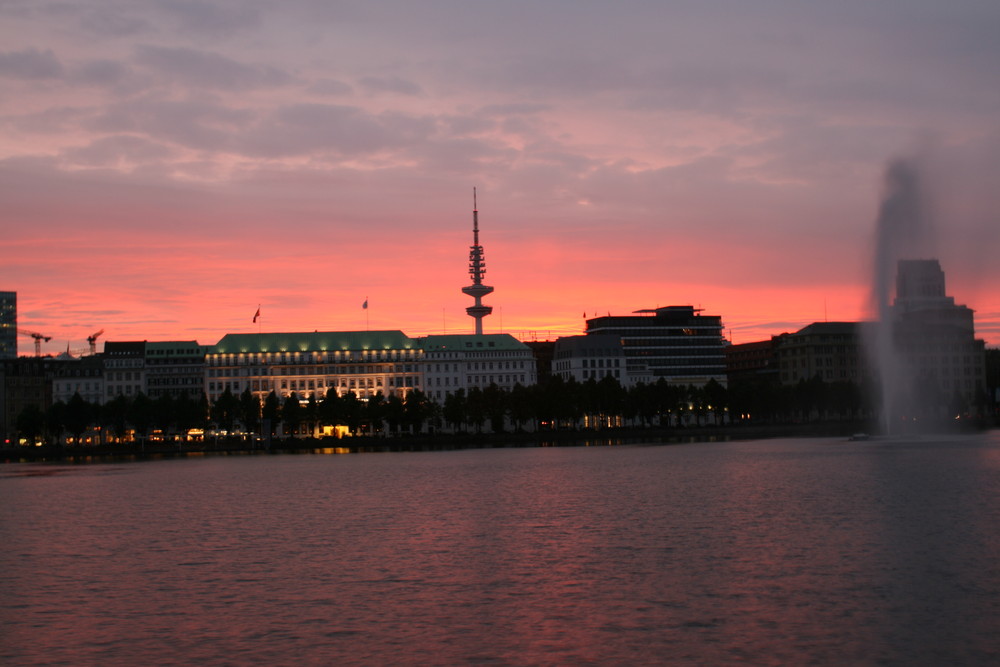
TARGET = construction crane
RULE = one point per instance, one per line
(92, 339)
(38, 339)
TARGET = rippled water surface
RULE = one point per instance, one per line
(778, 552)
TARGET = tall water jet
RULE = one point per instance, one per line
(930, 368)
(902, 229)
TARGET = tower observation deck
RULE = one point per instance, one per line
(477, 269)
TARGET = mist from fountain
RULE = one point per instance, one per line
(903, 230)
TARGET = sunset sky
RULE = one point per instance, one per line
(167, 166)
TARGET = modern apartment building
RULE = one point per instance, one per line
(675, 343)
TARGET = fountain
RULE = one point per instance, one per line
(902, 229)
(929, 366)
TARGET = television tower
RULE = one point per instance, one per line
(477, 269)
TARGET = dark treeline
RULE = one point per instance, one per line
(555, 404)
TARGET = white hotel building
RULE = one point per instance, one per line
(364, 363)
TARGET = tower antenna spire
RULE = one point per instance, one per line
(477, 269)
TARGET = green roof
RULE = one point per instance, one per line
(471, 342)
(318, 341)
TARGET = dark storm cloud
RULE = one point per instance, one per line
(204, 69)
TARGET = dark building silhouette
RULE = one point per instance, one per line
(758, 359)
(8, 325)
(934, 336)
(831, 351)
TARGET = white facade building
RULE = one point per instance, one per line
(361, 362)
(453, 362)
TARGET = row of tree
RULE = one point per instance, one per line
(555, 404)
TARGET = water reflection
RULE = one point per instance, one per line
(775, 552)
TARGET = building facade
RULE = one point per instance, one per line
(175, 369)
(364, 363)
(81, 375)
(674, 343)
(935, 337)
(757, 360)
(454, 362)
(124, 369)
(591, 357)
(24, 382)
(832, 351)
(361, 362)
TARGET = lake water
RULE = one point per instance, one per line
(775, 552)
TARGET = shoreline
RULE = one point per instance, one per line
(423, 442)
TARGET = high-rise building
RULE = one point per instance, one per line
(934, 336)
(8, 325)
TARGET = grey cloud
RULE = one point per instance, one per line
(114, 22)
(391, 84)
(107, 18)
(109, 151)
(201, 124)
(553, 75)
(217, 17)
(305, 128)
(449, 156)
(204, 69)
(514, 109)
(101, 73)
(53, 119)
(464, 125)
(30, 64)
(330, 87)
